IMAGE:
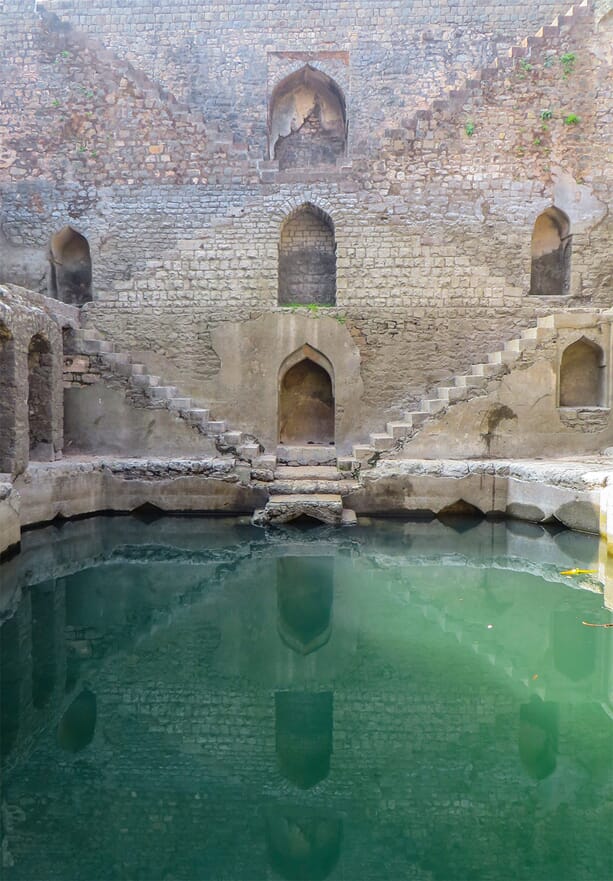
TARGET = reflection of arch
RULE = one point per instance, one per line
(307, 258)
(551, 248)
(582, 375)
(303, 727)
(305, 593)
(43, 644)
(574, 646)
(538, 738)
(307, 120)
(306, 399)
(8, 400)
(78, 724)
(40, 362)
(10, 684)
(303, 844)
(70, 278)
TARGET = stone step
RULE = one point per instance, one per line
(502, 357)
(162, 392)
(536, 333)
(349, 517)
(308, 487)
(398, 430)
(453, 393)
(216, 427)
(569, 320)
(433, 405)
(521, 344)
(309, 454)
(95, 347)
(232, 438)
(326, 507)
(486, 370)
(471, 381)
(249, 451)
(381, 441)
(417, 417)
(138, 369)
(307, 472)
(179, 403)
(346, 465)
(144, 380)
(198, 416)
(363, 452)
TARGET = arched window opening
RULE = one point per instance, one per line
(582, 375)
(40, 362)
(10, 684)
(70, 273)
(7, 399)
(307, 120)
(43, 644)
(306, 405)
(551, 249)
(307, 258)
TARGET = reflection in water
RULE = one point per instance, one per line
(538, 737)
(574, 646)
(43, 644)
(303, 844)
(10, 684)
(78, 724)
(436, 642)
(303, 725)
(305, 593)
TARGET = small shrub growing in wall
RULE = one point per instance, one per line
(469, 128)
(568, 63)
(572, 119)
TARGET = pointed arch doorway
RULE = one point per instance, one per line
(306, 399)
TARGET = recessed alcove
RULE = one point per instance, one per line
(582, 375)
(307, 258)
(306, 401)
(70, 268)
(7, 398)
(39, 398)
(551, 253)
(307, 120)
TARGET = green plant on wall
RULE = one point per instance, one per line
(469, 128)
(546, 114)
(568, 63)
(572, 119)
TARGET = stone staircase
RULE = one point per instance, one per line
(453, 99)
(479, 380)
(156, 394)
(314, 491)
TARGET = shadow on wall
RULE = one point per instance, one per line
(40, 362)
(7, 399)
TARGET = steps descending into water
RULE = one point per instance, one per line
(314, 491)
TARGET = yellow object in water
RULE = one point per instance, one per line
(578, 571)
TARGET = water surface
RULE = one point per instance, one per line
(194, 698)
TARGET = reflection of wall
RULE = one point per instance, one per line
(304, 732)
(305, 594)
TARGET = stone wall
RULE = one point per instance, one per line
(183, 208)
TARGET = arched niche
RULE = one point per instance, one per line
(303, 735)
(538, 738)
(305, 594)
(8, 400)
(307, 258)
(551, 251)
(40, 362)
(78, 724)
(307, 120)
(303, 843)
(43, 644)
(10, 684)
(582, 375)
(70, 271)
(306, 399)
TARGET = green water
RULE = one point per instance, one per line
(194, 698)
